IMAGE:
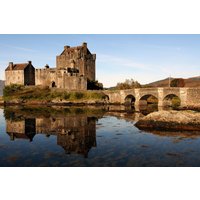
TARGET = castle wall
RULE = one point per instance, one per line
(46, 77)
(14, 77)
(75, 83)
(29, 75)
(90, 67)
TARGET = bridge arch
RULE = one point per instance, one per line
(148, 99)
(129, 99)
(106, 98)
(172, 100)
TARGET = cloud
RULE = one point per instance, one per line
(164, 47)
(180, 69)
(123, 62)
(19, 48)
(144, 73)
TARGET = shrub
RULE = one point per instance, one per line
(9, 90)
(94, 85)
(128, 84)
(178, 82)
(78, 95)
(176, 102)
(66, 95)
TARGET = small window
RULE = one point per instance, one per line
(53, 84)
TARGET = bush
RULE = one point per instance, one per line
(66, 95)
(11, 89)
(94, 85)
(78, 95)
(176, 102)
(178, 82)
(128, 84)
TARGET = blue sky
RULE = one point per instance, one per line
(145, 58)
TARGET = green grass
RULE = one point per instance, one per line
(14, 92)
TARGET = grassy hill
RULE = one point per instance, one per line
(189, 82)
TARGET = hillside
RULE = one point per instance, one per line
(189, 82)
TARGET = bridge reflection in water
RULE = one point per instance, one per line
(76, 133)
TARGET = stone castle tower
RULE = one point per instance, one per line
(74, 67)
(79, 59)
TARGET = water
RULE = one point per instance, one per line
(85, 136)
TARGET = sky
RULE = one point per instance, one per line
(145, 58)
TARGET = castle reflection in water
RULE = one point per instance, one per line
(76, 133)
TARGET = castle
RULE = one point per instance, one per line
(74, 67)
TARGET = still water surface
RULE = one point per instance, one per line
(89, 137)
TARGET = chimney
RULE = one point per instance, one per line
(46, 66)
(30, 62)
(66, 47)
(84, 44)
(11, 65)
(94, 56)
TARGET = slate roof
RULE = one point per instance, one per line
(20, 66)
(73, 49)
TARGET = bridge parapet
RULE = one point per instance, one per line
(188, 96)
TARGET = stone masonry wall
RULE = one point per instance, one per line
(29, 75)
(46, 77)
(75, 83)
(14, 77)
(79, 58)
(193, 97)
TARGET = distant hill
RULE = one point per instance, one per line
(189, 82)
(2, 83)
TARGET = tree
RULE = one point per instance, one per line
(94, 85)
(128, 84)
(178, 82)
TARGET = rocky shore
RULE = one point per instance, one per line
(52, 102)
(171, 120)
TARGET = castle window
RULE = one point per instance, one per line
(53, 84)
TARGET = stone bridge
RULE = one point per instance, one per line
(187, 96)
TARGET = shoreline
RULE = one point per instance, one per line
(81, 103)
(186, 120)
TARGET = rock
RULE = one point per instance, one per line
(171, 120)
